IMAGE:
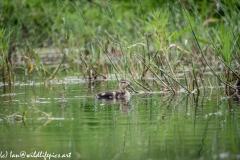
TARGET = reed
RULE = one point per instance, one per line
(5, 63)
(225, 52)
(175, 44)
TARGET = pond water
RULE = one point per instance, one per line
(64, 119)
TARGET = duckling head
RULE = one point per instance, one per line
(123, 85)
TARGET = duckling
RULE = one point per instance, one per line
(116, 94)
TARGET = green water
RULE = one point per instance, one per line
(64, 119)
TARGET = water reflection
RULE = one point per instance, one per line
(156, 126)
(124, 104)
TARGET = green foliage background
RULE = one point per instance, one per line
(115, 36)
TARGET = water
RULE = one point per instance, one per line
(64, 119)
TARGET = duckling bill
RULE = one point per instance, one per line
(116, 94)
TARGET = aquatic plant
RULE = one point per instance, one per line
(175, 43)
(223, 48)
(5, 60)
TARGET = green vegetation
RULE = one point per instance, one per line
(176, 43)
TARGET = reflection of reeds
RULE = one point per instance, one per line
(16, 118)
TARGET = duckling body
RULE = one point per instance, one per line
(116, 94)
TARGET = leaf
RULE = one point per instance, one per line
(177, 35)
(25, 58)
(31, 66)
(25, 113)
(203, 41)
(210, 20)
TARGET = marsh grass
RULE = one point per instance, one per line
(5, 61)
(173, 43)
(224, 47)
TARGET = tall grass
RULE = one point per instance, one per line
(224, 47)
(144, 40)
(5, 60)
